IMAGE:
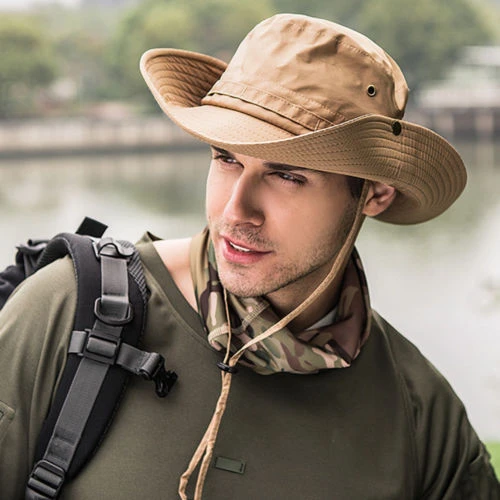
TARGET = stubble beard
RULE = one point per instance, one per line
(300, 276)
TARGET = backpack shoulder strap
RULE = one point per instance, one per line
(109, 321)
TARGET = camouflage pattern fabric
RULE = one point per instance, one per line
(333, 346)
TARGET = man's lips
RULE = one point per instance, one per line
(241, 253)
(240, 245)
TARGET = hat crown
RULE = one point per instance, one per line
(311, 93)
(303, 74)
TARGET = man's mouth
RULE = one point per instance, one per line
(239, 253)
(238, 247)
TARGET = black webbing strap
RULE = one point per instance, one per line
(149, 365)
(112, 310)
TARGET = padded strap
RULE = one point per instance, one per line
(112, 311)
(106, 328)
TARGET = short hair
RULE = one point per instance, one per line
(355, 185)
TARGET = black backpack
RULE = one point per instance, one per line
(103, 349)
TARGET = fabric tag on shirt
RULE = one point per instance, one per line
(230, 465)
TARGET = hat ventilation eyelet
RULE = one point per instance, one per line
(371, 90)
(396, 128)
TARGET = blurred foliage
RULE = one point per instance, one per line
(81, 40)
(27, 62)
(494, 450)
(97, 49)
(424, 37)
(211, 26)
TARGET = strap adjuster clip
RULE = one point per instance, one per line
(46, 479)
(101, 347)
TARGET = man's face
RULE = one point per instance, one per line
(275, 228)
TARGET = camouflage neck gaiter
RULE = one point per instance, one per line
(332, 346)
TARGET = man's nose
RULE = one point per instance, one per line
(243, 205)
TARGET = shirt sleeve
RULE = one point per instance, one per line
(480, 480)
(453, 462)
(35, 325)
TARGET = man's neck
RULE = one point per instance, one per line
(285, 301)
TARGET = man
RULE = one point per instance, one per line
(305, 111)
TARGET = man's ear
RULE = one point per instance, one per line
(379, 198)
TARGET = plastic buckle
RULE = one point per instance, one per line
(46, 479)
(110, 247)
(154, 369)
(101, 348)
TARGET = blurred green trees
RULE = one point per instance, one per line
(96, 51)
(211, 26)
(27, 62)
(425, 37)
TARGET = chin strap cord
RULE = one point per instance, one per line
(204, 451)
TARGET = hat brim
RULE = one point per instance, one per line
(426, 170)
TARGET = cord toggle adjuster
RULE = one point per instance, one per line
(226, 368)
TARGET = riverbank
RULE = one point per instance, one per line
(90, 136)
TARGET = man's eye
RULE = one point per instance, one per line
(224, 158)
(285, 176)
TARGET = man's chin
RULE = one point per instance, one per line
(238, 290)
(240, 286)
(245, 282)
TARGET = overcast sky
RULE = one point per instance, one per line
(23, 4)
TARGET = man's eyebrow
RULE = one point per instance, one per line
(282, 166)
(222, 151)
(268, 164)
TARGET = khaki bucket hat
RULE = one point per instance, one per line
(311, 93)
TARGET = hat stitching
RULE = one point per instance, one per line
(360, 51)
(431, 152)
(177, 90)
(303, 97)
(174, 65)
(183, 58)
(188, 89)
(397, 86)
(249, 98)
(173, 69)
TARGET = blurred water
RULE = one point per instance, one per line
(438, 283)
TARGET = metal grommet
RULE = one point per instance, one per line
(371, 90)
(396, 128)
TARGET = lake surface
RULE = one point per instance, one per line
(438, 282)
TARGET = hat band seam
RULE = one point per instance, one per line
(257, 96)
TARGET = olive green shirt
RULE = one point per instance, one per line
(387, 428)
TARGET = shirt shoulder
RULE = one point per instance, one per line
(452, 461)
(30, 320)
(35, 326)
